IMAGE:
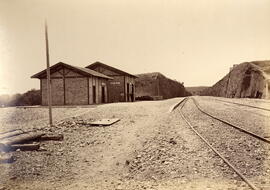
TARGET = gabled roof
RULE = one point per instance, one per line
(83, 71)
(97, 64)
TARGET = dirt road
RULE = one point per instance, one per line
(149, 148)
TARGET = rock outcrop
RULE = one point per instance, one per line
(245, 80)
(158, 86)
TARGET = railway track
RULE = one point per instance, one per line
(245, 105)
(230, 124)
(231, 165)
(258, 112)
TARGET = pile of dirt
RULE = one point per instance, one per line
(158, 86)
(245, 80)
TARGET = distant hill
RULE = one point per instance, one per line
(31, 97)
(196, 90)
(245, 80)
(158, 86)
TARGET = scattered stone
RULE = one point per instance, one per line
(172, 141)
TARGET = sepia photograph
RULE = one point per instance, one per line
(134, 95)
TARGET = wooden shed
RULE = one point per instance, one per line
(73, 85)
(122, 87)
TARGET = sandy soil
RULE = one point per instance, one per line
(149, 148)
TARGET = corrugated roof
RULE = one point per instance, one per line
(83, 71)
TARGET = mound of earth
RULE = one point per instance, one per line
(158, 86)
(245, 80)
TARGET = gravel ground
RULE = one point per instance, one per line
(252, 119)
(28, 118)
(246, 153)
(149, 148)
(263, 103)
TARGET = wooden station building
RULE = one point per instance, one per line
(95, 84)
(122, 87)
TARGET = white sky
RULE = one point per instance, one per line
(194, 42)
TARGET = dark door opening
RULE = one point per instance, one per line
(94, 94)
(103, 94)
(128, 92)
(132, 92)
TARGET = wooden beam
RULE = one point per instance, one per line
(125, 98)
(11, 134)
(6, 143)
(25, 147)
(41, 91)
(68, 77)
(64, 85)
(53, 137)
(88, 88)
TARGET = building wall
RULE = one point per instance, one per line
(98, 83)
(158, 86)
(76, 91)
(73, 89)
(130, 96)
(57, 91)
(148, 87)
(116, 91)
(117, 88)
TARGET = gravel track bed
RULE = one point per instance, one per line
(248, 110)
(253, 122)
(263, 103)
(249, 155)
(175, 158)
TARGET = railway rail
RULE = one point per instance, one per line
(246, 105)
(230, 124)
(182, 104)
(249, 110)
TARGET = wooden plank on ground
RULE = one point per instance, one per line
(53, 137)
(11, 134)
(25, 147)
(5, 143)
(104, 122)
(4, 132)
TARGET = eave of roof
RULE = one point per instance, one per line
(83, 71)
(93, 65)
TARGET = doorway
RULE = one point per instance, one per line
(103, 95)
(94, 94)
(132, 92)
(127, 92)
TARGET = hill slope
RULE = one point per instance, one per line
(245, 80)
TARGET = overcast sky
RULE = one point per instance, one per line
(195, 42)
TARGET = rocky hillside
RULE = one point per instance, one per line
(245, 80)
(157, 85)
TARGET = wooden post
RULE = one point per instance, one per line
(49, 93)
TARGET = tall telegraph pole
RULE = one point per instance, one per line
(49, 90)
